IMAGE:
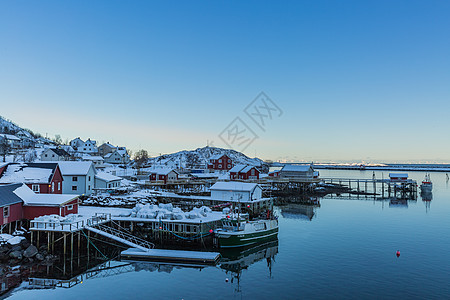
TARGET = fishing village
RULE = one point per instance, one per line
(79, 206)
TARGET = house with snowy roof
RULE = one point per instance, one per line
(165, 175)
(297, 172)
(235, 191)
(44, 178)
(89, 146)
(12, 140)
(27, 140)
(54, 154)
(18, 202)
(105, 180)
(76, 143)
(106, 148)
(118, 156)
(95, 159)
(220, 162)
(78, 177)
(244, 172)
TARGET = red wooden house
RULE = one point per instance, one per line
(44, 178)
(3, 168)
(18, 202)
(220, 162)
(164, 175)
(275, 173)
(10, 204)
(244, 172)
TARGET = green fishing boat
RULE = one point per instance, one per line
(239, 231)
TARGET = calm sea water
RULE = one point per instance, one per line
(344, 249)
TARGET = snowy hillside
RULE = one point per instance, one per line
(199, 158)
(7, 126)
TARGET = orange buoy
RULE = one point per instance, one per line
(226, 279)
(398, 253)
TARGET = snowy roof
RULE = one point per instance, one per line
(10, 137)
(16, 173)
(25, 133)
(7, 197)
(247, 168)
(217, 156)
(237, 168)
(75, 167)
(32, 199)
(109, 145)
(60, 152)
(106, 177)
(296, 168)
(122, 151)
(108, 155)
(162, 171)
(67, 148)
(234, 186)
(92, 158)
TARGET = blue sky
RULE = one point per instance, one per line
(355, 80)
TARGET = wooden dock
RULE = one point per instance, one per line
(208, 258)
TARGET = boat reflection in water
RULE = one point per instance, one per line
(427, 196)
(234, 261)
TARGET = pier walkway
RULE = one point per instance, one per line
(121, 236)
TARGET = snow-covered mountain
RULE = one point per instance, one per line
(199, 158)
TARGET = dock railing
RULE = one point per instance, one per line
(98, 218)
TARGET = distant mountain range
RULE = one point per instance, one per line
(199, 158)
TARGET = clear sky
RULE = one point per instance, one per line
(354, 80)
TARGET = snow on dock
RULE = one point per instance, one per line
(172, 255)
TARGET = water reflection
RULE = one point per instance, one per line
(299, 211)
(102, 270)
(234, 261)
(427, 196)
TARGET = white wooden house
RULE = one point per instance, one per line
(54, 154)
(105, 180)
(89, 146)
(76, 143)
(78, 177)
(297, 171)
(233, 191)
(119, 156)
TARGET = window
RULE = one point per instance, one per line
(74, 187)
(53, 187)
(46, 155)
(84, 149)
(69, 207)
(89, 178)
(109, 185)
(89, 187)
(53, 155)
(35, 188)
(229, 166)
(253, 171)
(5, 211)
(229, 161)
(220, 161)
(59, 186)
(74, 178)
(220, 166)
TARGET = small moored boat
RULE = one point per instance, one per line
(426, 185)
(239, 231)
